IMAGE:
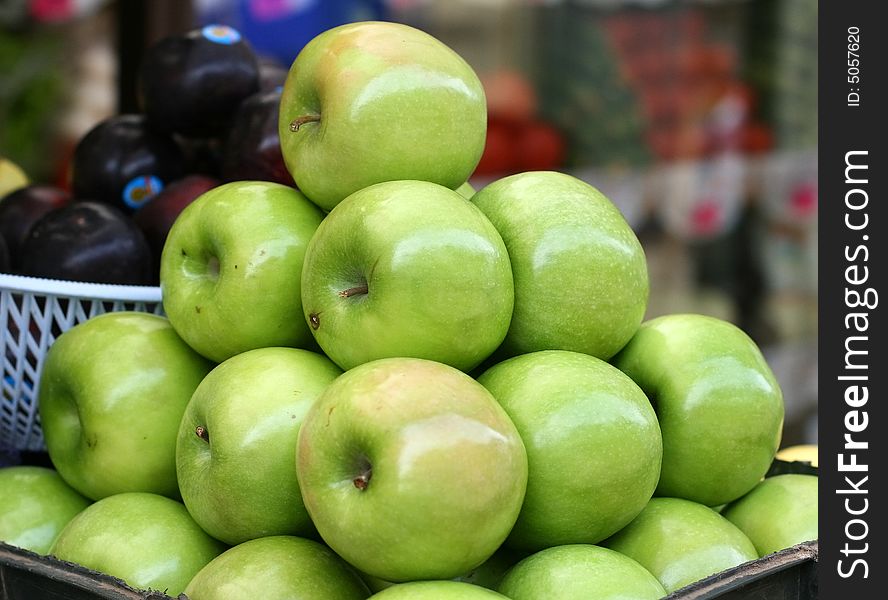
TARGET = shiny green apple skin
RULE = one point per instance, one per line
(719, 406)
(580, 572)
(231, 268)
(577, 415)
(436, 590)
(410, 470)
(393, 103)
(424, 260)
(681, 542)
(237, 473)
(112, 395)
(149, 541)
(581, 280)
(277, 568)
(35, 505)
(779, 512)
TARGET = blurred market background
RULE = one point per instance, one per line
(697, 118)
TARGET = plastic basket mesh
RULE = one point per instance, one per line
(33, 313)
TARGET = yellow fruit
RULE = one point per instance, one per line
(802, 453)
(11, 177)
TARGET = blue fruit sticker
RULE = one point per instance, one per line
(221, 34)
(140, 190)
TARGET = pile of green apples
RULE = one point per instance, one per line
(383, 383)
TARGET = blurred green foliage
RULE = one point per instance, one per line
(30, 99)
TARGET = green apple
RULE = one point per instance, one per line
(149, 541)
(719, 406)
(681, 542)
(410, 470)
(112, 393)
(581, 280)
(277, 568)
(231, 268)
(237, 440)
(407, 268)
(592, 440)
(371, 102)
(580, 572)
(436, 590)
(779, 512)
(35, 504)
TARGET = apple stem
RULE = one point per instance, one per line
(363, 480)
(315, 320)
(298, 122)
(354, 291)
(202, 433)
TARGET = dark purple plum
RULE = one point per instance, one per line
(202, 155)
(156, 218)
(123, 162)
(88, 241)
(272, 75)
(252, 150)
(192, 83)
(19, 210)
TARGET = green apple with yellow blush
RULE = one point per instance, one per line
(370, 102)
(410, 470)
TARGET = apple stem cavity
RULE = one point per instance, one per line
(213, 267)
(358, 290)
(315, 320)
(202, 433)
(298, 122)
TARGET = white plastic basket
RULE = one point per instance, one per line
(33, 313)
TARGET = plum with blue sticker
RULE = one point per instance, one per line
(140, 190)
(221, 34)
(193, 83)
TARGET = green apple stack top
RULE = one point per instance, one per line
(414, 372)
(371, 102)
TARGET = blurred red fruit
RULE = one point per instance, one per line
(510, 96)
(499, 150)
(539, 147)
